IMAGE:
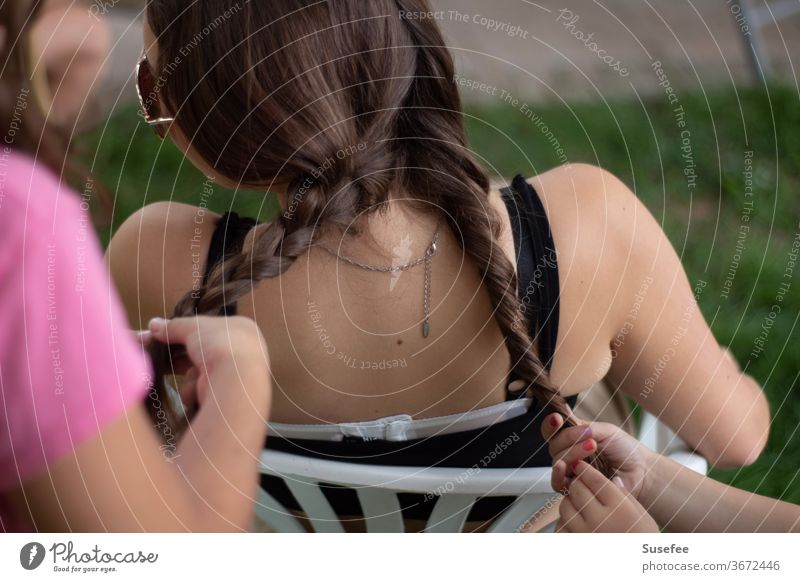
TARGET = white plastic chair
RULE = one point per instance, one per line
(457, 489)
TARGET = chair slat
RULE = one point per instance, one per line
(313, 502)
(275, 515)
(522, 510)
(381, 510)
(450, 513)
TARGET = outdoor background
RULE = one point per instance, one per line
(572, 105)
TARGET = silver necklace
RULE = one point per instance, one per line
(427, 258)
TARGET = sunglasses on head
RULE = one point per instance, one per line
(149, 99)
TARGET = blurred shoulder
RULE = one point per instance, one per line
(157, 255)
(39, 212)
(29, 189)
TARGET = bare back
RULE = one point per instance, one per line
(346, 343)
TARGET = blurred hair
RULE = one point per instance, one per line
(22, 98)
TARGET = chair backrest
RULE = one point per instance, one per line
(454, 490)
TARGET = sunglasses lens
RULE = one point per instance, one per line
(147, 93)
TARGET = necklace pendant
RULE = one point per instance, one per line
(426, 328)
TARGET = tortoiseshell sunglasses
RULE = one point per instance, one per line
(148, 99)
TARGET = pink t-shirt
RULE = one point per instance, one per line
(68, 364)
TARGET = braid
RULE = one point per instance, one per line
(233, 277)
(341, 101)
(435, 104)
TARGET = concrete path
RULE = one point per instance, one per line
(573, 49)
(582, 49)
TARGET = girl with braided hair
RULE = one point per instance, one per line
(414, 315)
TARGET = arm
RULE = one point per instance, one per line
(682, 500)
(124, 479)
(158, 254)
(676, 497)
(664, 355)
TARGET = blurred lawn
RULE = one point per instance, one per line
(641, 143)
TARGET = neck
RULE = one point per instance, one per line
(399, 231)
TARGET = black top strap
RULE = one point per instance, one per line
(537, 265)
(228, 238)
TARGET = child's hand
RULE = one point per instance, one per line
(218, 349)
(628, 457)
(595, 504)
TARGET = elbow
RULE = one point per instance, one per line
(748, 441)
(740, 454)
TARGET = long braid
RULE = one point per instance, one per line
(324, 78)
(436, 108)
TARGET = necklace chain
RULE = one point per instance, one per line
(429, 252)
(426, 258)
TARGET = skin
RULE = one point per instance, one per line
(675, 497)
(121, 481)
(607, 242)
(594, 504)
(73, 44)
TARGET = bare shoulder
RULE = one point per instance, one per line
(596, 217)
(583, 200)
(590, 211)
(604, 239)
(601, 226)
(157, 255)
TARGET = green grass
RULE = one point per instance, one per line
(641, 143)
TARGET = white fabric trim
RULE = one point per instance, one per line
(402, 427)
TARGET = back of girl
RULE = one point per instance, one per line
(395, 284)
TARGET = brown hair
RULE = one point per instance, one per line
(281, 88)
(19, 105)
